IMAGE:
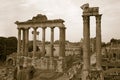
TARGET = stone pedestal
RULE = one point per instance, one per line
(25, 62)
(33, 62)
(96, 75)
(51, 64)
(60, 65)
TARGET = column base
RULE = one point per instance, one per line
(97, 74)
(85, 74)
(51, 63)
(33, 62)
(60, 64)
(25, 62)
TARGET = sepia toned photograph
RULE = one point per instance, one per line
(59, 40)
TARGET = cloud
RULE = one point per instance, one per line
(68, 10)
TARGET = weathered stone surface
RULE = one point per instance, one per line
(87, 12)
(90, 11)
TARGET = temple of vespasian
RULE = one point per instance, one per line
(40, 21)
(87, 12)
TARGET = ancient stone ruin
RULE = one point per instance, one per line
(41, 21)
(87, 12)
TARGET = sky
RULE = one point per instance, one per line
(68, 10)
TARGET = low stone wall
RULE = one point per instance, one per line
(45, 64)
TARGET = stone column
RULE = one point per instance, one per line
(43, 41)
(34, 42)
(19, 41)
(23, 43)
(19, 46)
(86, 47)
(62, 42)
(52, 42)
(98, 46)
(98, 42)
(61, 62)
(26, 42)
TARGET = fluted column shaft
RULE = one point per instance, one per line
(86, 47)
(98, 42)
(34, 41)
(52, 42)
(43, 41)
(62, 42)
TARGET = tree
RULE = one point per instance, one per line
(11, 44)
(113, 40)
(7, 46)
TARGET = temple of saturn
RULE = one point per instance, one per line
(87, 72)
(41, 21)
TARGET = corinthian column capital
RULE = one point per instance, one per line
(85, 18)
(98, 18)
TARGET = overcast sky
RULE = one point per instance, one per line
(68, 10)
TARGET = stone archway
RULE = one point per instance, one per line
(10, 61)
